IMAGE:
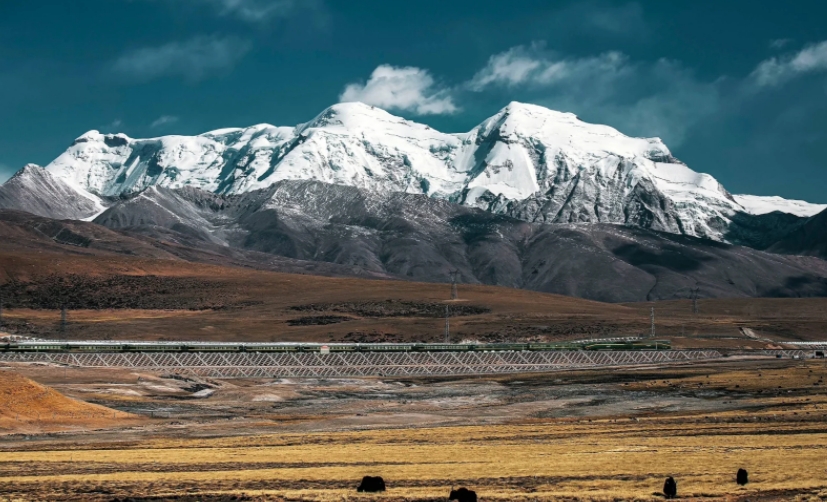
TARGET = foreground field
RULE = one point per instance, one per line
(588, 435)
(598, 461)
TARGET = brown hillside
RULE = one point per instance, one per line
(27, 406)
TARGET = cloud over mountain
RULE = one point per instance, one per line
(775, 71)
(402, 88)
(193, 59)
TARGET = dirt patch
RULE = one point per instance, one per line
(191, 498)
(320, 320)
(395, 308)
(27, 406)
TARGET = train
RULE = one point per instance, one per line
(58, 346)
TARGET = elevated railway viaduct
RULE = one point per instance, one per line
(357, 364)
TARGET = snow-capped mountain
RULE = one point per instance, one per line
(526, 161)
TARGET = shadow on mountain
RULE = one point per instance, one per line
(670, 257)
(800, 286)
(763, 230)
(808, 238)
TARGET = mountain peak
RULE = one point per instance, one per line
(528, 108)
(353, 114)
(567, 132)
(35, 190)
(31, 174)
(30, 168)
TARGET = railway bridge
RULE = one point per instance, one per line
(358, 364)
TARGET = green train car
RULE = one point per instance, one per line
(116, 346)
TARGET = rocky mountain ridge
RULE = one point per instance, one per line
(420, 238)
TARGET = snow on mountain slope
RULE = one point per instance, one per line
(36, 191)
(756, 204)
(526, 161)
(584, 172)
(348, 144)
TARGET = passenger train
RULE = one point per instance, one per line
(134, 346)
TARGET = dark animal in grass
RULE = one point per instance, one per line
(670, 488)
(371, 484)
(463, 495)
(742, 478)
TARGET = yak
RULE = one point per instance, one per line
(371, 484)
(742, 477)
(670, 488)
(463, 495)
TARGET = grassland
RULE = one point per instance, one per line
(598, 461)
(774, 425)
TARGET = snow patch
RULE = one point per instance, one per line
(756, 204)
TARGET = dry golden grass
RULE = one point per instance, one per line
(600, 461)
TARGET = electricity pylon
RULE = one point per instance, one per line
(454, 275)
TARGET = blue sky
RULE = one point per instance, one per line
(737, 89)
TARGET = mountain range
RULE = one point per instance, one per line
(530, 198)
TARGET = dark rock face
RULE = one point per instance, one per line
(420, 238)
(742, 477)
(670, 488)
(371, 484)
(463, 495)
(809, 238)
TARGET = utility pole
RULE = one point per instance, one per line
(447, 326)
(695, 300)
(454, 294)
(1, 311)
(653, 322)
(63, 321)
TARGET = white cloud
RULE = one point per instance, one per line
(163, 120)
(779, 43)
(193, 59)
(510, 68)
(779, 70)
(531, 66)
(115, 124)
(263, 10)
(618, 20)
(659, 98)
(402, 88)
